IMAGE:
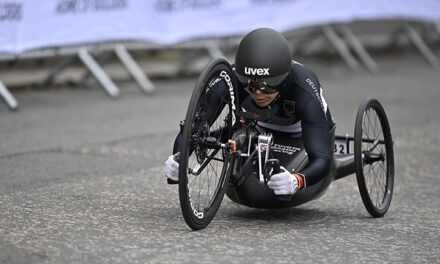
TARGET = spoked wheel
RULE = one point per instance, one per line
(374, 159)
(204, 153)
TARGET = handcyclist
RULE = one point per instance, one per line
(288, 98)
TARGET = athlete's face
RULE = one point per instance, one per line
(262, 99)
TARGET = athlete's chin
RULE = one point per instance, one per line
(261, 103)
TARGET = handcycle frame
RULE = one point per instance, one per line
(345, 163)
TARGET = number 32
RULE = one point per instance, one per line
(341, 149)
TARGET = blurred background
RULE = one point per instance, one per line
(77, 41)
(93, 91)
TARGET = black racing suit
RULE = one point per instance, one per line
(300, 109)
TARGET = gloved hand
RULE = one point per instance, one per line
(283, 183)
(171, 168)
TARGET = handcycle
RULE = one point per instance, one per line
(232, 155)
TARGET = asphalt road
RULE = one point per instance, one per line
(81, 180)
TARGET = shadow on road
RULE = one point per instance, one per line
(305, 216)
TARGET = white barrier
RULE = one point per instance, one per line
(27, 26)
(30, 24)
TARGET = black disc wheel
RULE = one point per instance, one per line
(203, 170)
(374, 159)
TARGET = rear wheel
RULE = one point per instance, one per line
(203, 170)
(374, 158)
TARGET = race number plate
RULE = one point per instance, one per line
(341, 147)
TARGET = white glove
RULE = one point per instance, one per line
(172, 169)
(283, 183)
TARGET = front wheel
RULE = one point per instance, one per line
(204, 166)
(374, 158)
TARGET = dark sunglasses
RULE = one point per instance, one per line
(265, 85)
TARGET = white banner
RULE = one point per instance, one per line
(65, 22)
(11, 14)
(31, 24)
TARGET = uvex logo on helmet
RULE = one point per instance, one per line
(256, 71)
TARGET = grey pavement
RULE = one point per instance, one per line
(81, 180)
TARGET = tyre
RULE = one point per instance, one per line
(374, 158)
(203, 170)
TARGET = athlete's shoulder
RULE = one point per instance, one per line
(300, 83)
(302, 75)
(306, 88)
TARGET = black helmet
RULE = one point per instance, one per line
(263, 56)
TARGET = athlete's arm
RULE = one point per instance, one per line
(316, 138)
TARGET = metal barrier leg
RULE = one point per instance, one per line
(134, 69)
(8, 97)
(421, 46)
(60, 67)
(341, 47)
(99, 73)
(102, 58)
(215, 52)
(358, 48)
(302, 43)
